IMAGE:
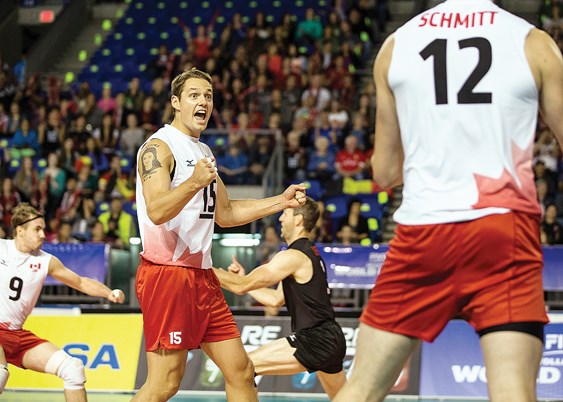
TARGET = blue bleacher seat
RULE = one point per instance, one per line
(374, 207)
(13, 167)
(130, 207)
(127, 163)
(314, 189)
(337, 206)
(40, 163)
(370, 206)
(160, 17)
(101, 207)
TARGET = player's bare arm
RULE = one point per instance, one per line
(85, 285)
(284, 264)
(231, 213)
(546, 64)
(155, 165)
(269, 297)
(266, 296)
(387, 159)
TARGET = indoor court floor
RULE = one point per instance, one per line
(28, 396)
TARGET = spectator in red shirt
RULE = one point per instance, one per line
(350, 161)
(202, 43)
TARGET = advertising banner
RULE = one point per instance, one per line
(111, 348)
(453, 364)
(353, 267)
(357, 267)
(203, 374)
(89, 260)
(553, 268)
(108, 345)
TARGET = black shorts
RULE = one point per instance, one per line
(320, 348)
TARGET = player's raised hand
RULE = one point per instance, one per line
(205, 171)
(236, 267)
(295, 195)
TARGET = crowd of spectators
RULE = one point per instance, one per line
(71, 152)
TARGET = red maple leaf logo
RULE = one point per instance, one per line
(505, 191)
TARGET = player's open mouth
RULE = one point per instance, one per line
(200, 115)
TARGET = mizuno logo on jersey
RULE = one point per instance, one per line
(35, 267)
(190, 162)
(3, 262)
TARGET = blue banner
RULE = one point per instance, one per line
(453, 364)
(357, 267)
(352, 266)
(86, 259)
(553, 268)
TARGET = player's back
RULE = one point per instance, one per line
(467, 107)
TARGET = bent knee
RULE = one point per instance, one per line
(68, 368)
(243, 372)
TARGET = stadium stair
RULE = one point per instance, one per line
(104, 18)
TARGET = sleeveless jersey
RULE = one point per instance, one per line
(467, 105)
(21, 279)
(186, 239)
(308, 303)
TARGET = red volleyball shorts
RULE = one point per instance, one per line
(16, 342)
(182, 307)
(487, 271)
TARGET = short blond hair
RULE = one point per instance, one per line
(24, 213)
(178, 83)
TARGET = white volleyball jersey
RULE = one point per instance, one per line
(186, 239)
(467, 105)
(22, 276)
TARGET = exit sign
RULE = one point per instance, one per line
(46, 16)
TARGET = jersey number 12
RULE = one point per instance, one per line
(437, 48)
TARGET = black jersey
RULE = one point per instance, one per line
(308, 303)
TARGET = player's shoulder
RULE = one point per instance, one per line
(6, 244)
(538, 38)
(290, 255)
(156, 143)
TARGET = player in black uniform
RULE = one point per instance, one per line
(317, 342)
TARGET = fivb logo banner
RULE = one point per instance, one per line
(203, 374)
(453, 364)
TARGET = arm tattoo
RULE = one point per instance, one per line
(149, 162)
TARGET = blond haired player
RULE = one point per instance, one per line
(23, 269)
(458, 92)
(180, 197)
